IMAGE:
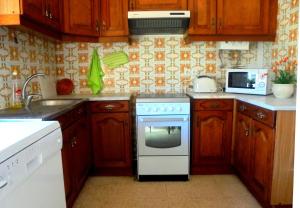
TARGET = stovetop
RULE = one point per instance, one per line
(162, 98)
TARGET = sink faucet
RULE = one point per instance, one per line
(26, 98)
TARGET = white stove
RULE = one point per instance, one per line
(163, 135)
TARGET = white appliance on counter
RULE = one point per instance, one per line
(163, 135)
(204, 84)
(249, 81)
(31, 173)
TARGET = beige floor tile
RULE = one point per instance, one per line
(208, 191)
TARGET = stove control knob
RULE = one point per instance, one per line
(148, 109)
(157, 109)
(165, 109)
(179, 109)
(171, 108)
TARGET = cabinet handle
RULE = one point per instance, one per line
(109, 107)
(260, 115)
(213, 22)
(220, 24)
(47, 13)
(215, 105)
(103, 25)
(243, 108)
(50, 15)
(97, 25)
(246, 132)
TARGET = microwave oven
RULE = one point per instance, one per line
(249, 81)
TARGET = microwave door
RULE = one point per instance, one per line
(243, 80)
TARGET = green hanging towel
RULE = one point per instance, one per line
(115, 59)
(95, 74)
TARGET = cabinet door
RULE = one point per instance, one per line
(54, 7)
(243, 145)
(203, 17)
(81, 17)
(250, 17)
(34, 9)
(114, 20)
(111, 142)
(81, 152)
(262, 159)
(158, 4)
(211, 139)
(68, 168)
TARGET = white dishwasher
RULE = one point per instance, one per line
(30, 165)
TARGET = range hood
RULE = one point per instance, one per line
(158, 22)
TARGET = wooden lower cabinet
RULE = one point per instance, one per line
(76, 157)
(211, 138)
(242, 152)
(261, 158)
(112, 143)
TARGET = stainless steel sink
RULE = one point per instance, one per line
(56, 102)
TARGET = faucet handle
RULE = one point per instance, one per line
(29, 98)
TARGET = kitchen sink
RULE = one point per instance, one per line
(56, 102)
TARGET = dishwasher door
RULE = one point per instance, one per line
(33, 178)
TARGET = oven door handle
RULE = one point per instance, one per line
(163, 119)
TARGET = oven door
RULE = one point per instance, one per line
(163, 135)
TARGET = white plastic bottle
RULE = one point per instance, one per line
(16, 101)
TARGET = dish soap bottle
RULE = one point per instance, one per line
(16, 101)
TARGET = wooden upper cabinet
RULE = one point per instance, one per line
(81, 17)
(203, 17)
(157, 5)
(113, 18)
(248, 20)
(35, 10)
(251, 17)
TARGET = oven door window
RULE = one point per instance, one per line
(163, 136)
(242, 80)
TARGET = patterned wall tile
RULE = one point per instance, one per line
(22, 53)
(157, 63)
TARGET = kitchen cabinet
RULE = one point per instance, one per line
(211, 137)
(158, 5)
(111, 137)
(41, 15)
(261, 160)
(113, 22)
(81, 19)
(233, 20)
(243, 145)
(76, 151)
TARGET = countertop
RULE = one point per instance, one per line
(268, 102)
(48, 112)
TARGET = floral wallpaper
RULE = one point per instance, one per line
(156, 63)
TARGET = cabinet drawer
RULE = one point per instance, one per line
(110, 106)
(213, 104)
(263, 115)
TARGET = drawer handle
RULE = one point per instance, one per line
(260, 115)
(3, 183)
(243, 108)
(109, 107)
(246, 132)
(215, 105)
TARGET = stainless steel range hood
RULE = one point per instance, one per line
(158, 22)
